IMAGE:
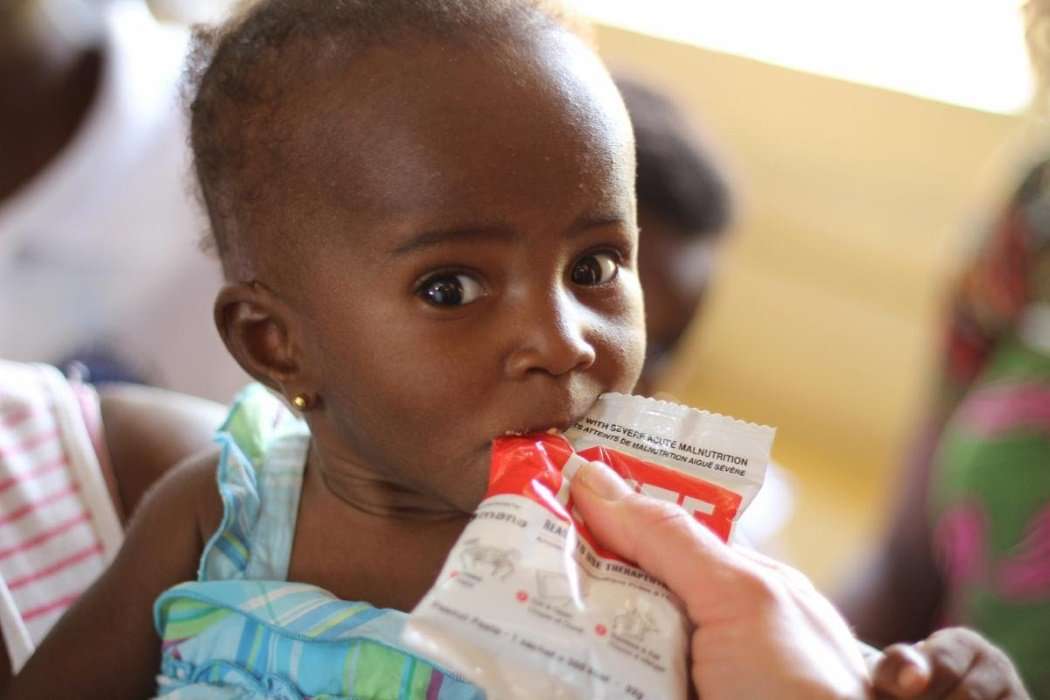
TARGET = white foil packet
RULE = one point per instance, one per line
(528, 606)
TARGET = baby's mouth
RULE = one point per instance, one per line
(549, 431)
(551, 427)
(553, 416)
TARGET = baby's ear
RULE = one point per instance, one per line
(257, 328)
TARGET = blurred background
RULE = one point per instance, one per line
(869, 141)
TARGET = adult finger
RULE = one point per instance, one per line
(667, 543)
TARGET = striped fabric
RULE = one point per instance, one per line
(58, 527)
(286, 640)
(260, 478)
(241, 630)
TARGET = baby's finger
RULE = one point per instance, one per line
(983, 682)
(902, 672)
(965, 666)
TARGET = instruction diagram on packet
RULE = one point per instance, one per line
(481, 560)
(555, 589)
(634, 622)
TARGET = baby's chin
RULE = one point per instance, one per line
(465, 487)
(472, 482)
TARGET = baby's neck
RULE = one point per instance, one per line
(361, 539)
(369, 493)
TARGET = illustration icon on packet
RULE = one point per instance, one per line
(635, 621)
(479, 560)
(555, 588)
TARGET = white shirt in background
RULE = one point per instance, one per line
(101, 249)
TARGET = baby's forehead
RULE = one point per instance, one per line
(457, 128)
(426, 90)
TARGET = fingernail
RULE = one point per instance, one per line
(602, 481)
(910, 676)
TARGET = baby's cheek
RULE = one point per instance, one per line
(478, 476)
(465, 485)
(453, 466)
(622, 356)
(632, 334)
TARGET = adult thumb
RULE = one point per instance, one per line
(662, 538)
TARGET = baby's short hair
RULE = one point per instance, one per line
(680, 175)
(239, 71)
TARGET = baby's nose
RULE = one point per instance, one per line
(552, 337)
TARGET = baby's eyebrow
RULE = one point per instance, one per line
(429, 239)
(587, 222)
(503, 234)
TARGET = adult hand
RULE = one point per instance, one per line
(762, 629)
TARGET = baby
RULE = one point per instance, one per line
(425, 214)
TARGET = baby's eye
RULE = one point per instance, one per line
(594, 269)
(450, 290)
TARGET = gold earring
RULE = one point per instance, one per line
(301, 401)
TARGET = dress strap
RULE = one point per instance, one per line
(259, 477)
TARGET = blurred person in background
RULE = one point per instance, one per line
(970, 542)
(98, 226)
(685, 210)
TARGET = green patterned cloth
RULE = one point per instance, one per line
(990, 484)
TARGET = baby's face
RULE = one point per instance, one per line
(474, 270)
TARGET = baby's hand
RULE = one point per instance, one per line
(953, 663)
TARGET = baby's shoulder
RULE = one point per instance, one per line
(184, 504)
(185, 496)
(196, 477)
(166, 535)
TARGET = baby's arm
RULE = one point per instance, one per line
(105, 645)
(952, 663)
